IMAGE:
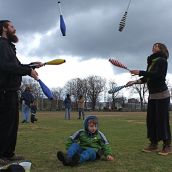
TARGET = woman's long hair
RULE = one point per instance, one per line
(163, 49)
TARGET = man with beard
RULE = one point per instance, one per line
(11, 72)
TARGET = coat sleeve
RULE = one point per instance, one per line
(106, 149)
(10, 64)
(74, 138)
(105, 145)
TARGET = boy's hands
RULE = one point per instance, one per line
(110, 158)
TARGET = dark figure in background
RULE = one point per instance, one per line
(68, 106)
(158, 126)
(11, 72)
(27, 99)
(33, 112)
(81, 103)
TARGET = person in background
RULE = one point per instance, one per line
(158, 126)
(33, 109)
(81, 103)
(11, 72)
(68, 106)
(87, 144)
(27, 99)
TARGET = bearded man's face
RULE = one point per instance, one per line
(11, 33)
(12, 37)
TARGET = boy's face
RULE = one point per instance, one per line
(92, 127)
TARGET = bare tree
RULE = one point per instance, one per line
(112, 84)
(141, 90)
(95, 85)
(58, 95)
(76, 87)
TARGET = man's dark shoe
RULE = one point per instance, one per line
(16, 158)
(15, 167)
(24, 121)
(4, 161)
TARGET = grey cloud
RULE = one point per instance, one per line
(92, 27)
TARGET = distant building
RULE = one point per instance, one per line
(133, 100)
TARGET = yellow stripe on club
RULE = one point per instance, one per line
(55, 62)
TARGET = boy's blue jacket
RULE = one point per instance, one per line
(87, 140)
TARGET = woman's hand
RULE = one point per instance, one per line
(134, 72)
(130, 83)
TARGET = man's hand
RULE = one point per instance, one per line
(34, 74)
(36, 64)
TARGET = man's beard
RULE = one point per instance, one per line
(12, 38)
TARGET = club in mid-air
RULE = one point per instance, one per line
(45, 89)
(62, 22)
(118, 64)
(123, 20)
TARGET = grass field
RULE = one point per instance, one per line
(126, 132)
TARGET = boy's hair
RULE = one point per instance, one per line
(92, 121)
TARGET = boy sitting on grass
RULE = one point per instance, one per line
(86, 144)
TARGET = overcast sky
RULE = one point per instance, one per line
(92, 34)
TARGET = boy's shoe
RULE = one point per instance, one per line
(75, 160)
(32, 119)
(165, 150)
(63, 158)
(23, 121)
(66, 160)
(151, 148)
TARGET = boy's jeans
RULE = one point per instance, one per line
(85, 155)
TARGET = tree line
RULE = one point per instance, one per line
(93, 88)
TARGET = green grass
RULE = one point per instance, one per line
(126, 132)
